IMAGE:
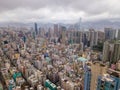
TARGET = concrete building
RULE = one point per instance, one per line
(75, 37)
(93, 37)
(118, 35)
(56, 30)
(116, 53)
(110, 33)
(63, 34)
(106, 49)
(111, 51)
(87, 78)
(110, 81)
(101, 36)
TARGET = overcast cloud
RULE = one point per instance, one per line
(57, 10)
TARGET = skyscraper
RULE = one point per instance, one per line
(87, 78)
(110, 81)
(36, 29)
(63, 35)
(39, 31)
(101, 36)
(56, 30)
(85, 40)
(106, 51)
(118, 35)
(111, 51)
(110, 33)
(116, 53)
(93, 37)
(75, 36)
(96, 38)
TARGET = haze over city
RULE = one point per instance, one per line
(59, 45)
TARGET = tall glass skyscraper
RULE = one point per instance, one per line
(87, 78)
(36, 29)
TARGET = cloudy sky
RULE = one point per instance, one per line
(57, 10)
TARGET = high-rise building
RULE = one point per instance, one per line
(93, 37)
(106, 51)
(84, 39)
(39, 31)
(42, 32)
(36, 29)
(101, 36)
(110, 81)
(56, 30)
(75, 36)
(110, 33)
(118, 34)
(69, 36)
(111, 51)
(116, 53)
(87, 78)
(63, 34)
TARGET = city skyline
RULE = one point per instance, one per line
(59, 45)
